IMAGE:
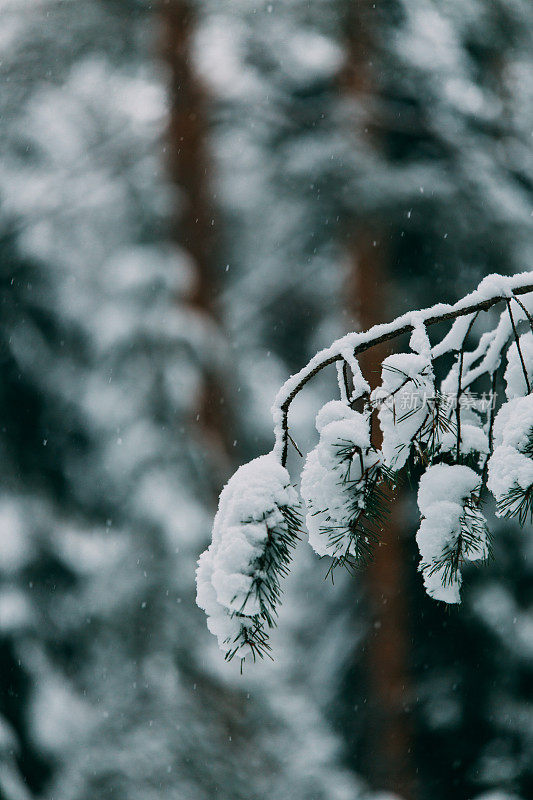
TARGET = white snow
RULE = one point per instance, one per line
(454, 338)
(515, 383)
(419, 341)
(513, 422)
(360, 385)
(508, 466)
(474, 441)
(508, 469)
(495, 286)
(455, 483)
(442, 495)
(248, 508)
(407, 385)
(438, 530)
(323, 486)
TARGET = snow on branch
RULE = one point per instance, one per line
(492, 290)
(238, 576)
(431, 424)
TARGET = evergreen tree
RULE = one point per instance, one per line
(111, 686)
(409, 154)
(444, 200)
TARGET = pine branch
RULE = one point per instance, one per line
(524, 309)
(360, 342)
(517, 503)
(271, 566)
(517, 341)
(367, 511)
(473, 534)
(450, 533)
(460, 386)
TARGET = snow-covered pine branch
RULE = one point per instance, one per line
(430, 424)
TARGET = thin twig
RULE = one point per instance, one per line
(295, 445)
(453, 313)
(524, 309)
(459, 385)
(517, 340)
(348, 383)
(484, 474)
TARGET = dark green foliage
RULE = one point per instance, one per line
(517, 504)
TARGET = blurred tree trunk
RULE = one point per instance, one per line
(193, 226)
(388, 738)
(187, 159)
(388, 751)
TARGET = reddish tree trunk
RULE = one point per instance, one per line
(389, 734)
(187, 160)
(194, 221)
(388, 738)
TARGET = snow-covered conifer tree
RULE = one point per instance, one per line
(423, 162)
(106, 485)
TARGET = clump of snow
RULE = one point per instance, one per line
(445, 501)
(510, 465)
(360, 385)
(333, 411)
(229, 579)
(455, 483)
(333, 473)
(514, 422)
(474, 441)
(419, 341)
(455, 337)
(495, 286)
(402, 399)
(515, 382)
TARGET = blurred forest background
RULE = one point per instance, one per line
(194, 197)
